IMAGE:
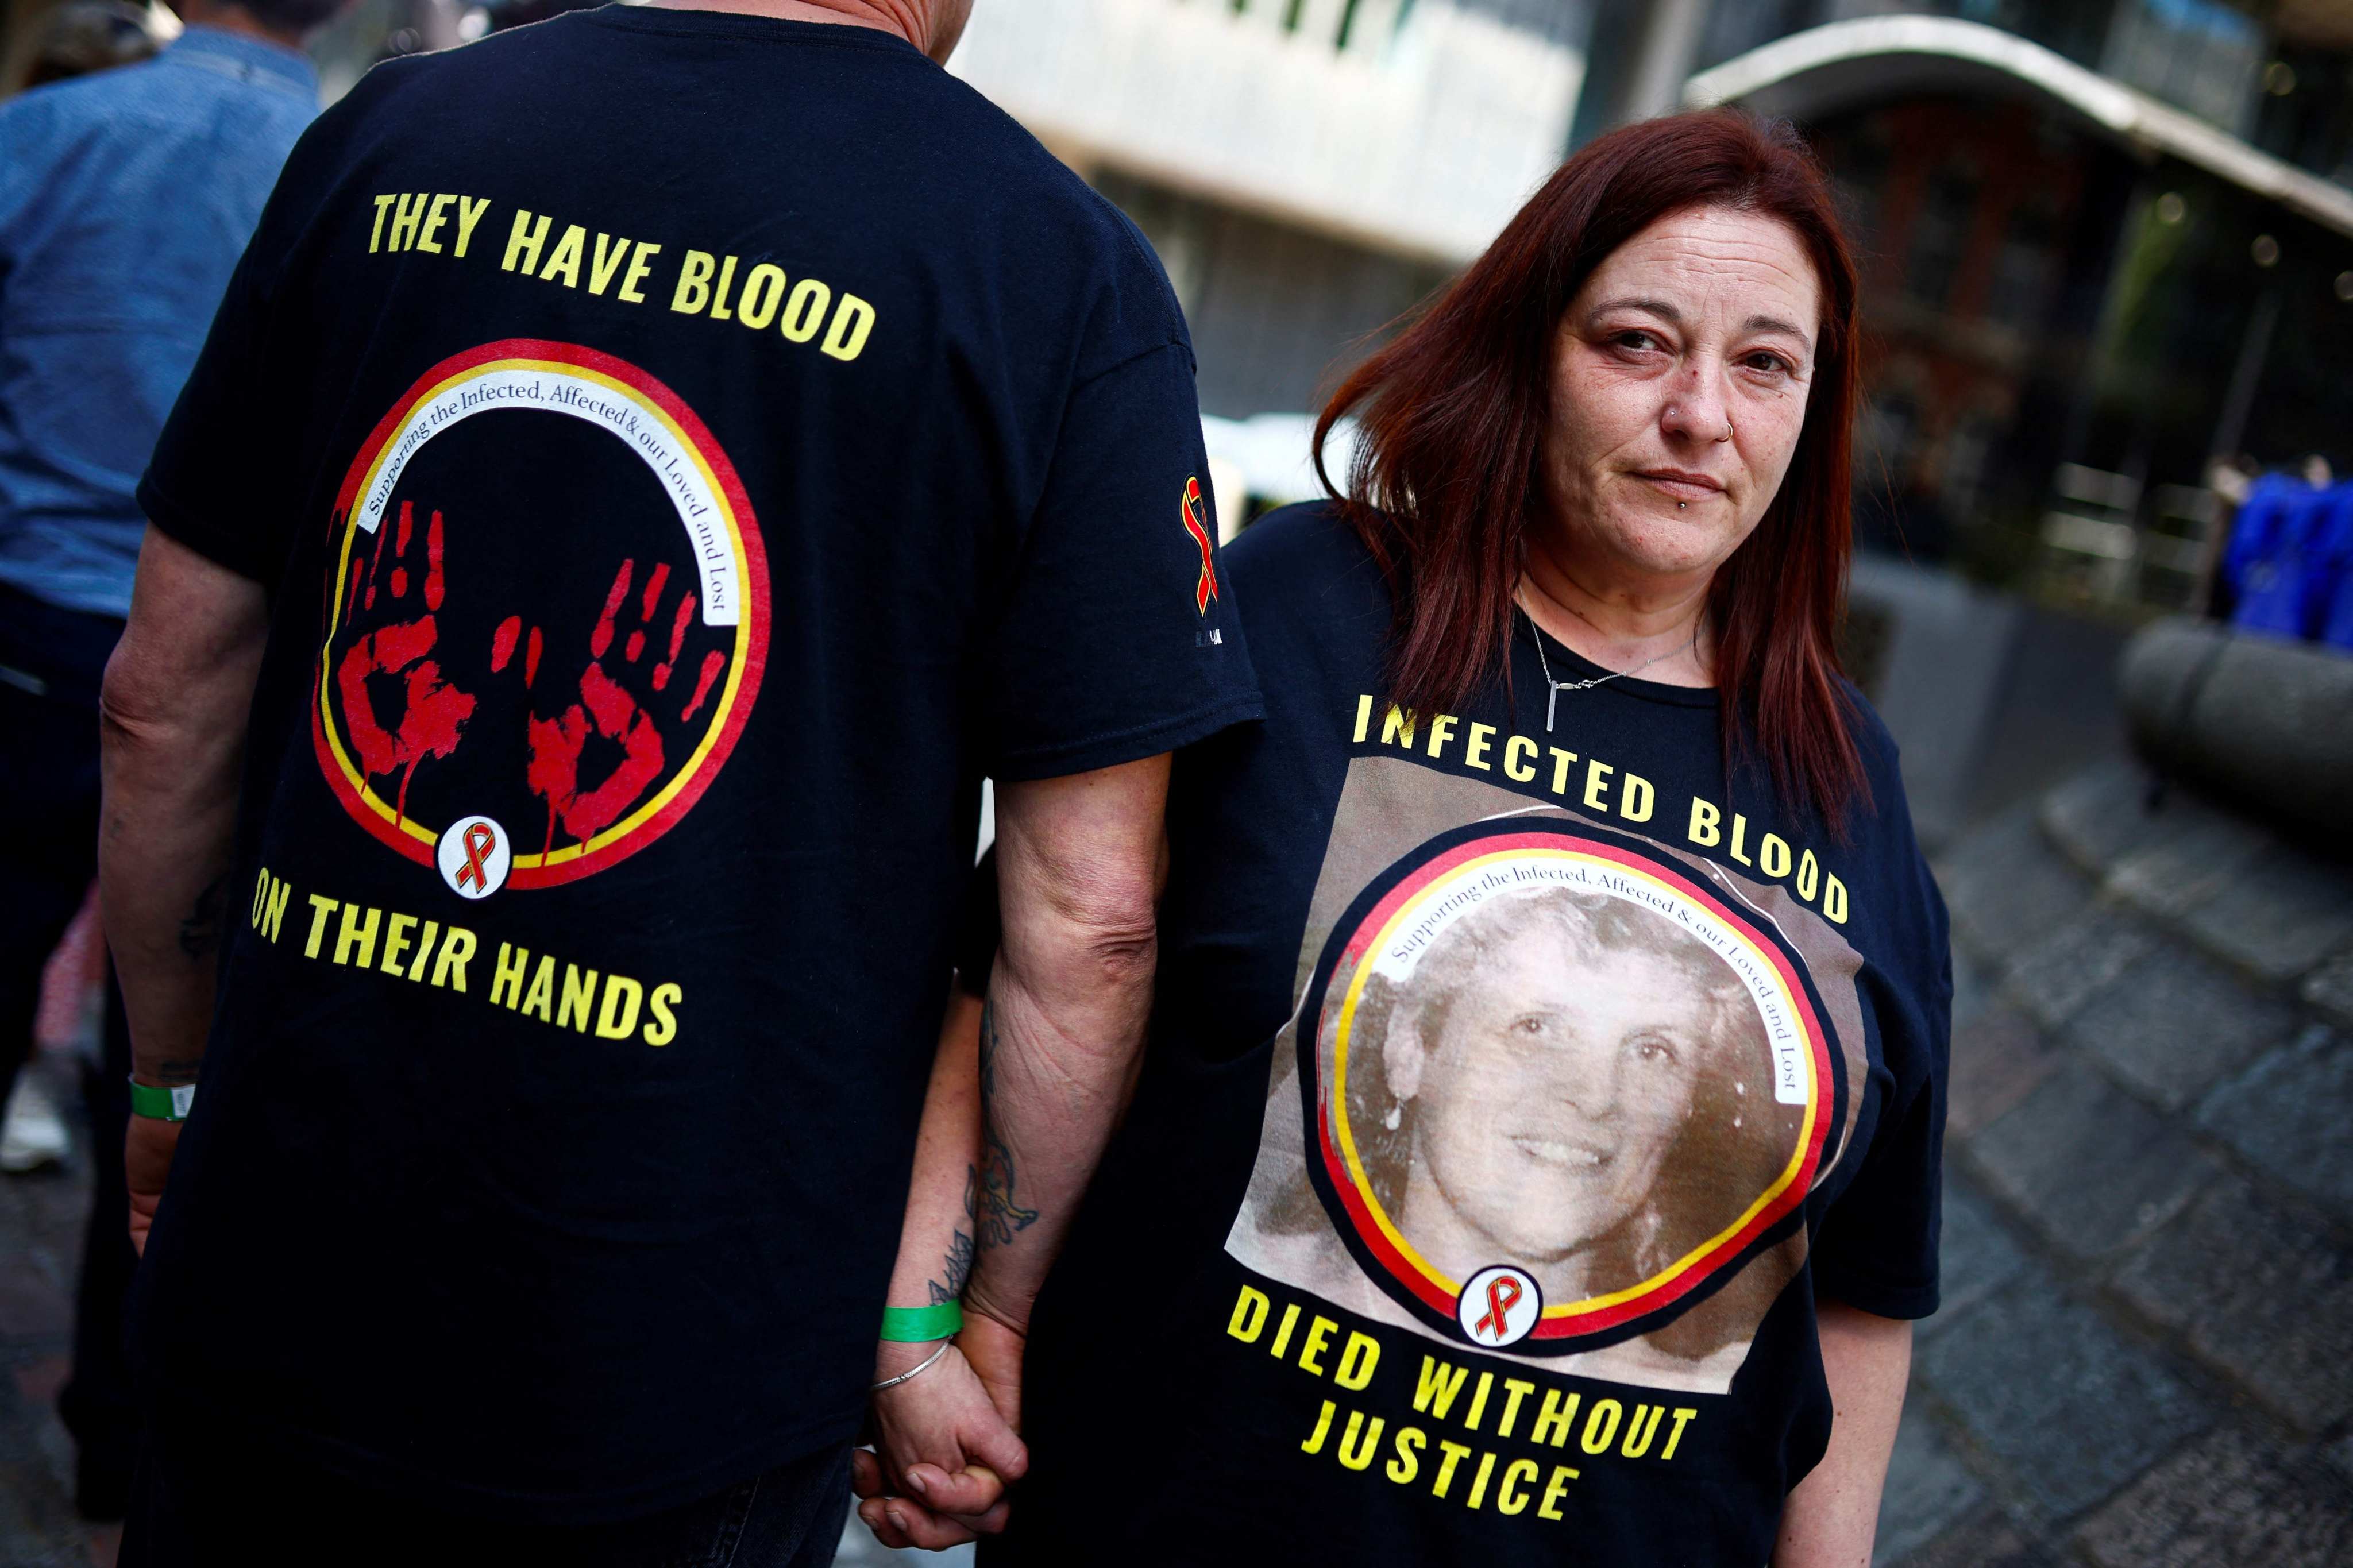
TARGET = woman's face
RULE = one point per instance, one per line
(1548, 1103)
(1680, 375)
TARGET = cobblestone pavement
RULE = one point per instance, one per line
(2145, 1358)
(2146, 1355)
(41, 1249)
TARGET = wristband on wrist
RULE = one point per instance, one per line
(159, 1103)
(911, 1325)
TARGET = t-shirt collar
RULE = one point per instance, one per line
(248, 58)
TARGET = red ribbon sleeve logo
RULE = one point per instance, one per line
(1196, 515)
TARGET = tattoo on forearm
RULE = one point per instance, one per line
(961, 1250)
(200, 929)
(173, 1072)
(999, 1214)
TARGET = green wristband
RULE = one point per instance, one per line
(161, 1104)
(911, 1325)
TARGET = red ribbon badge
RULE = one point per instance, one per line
(1503, 1294)
(479, 841)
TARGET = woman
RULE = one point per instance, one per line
(1540, 1129)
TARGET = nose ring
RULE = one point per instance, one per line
(1673, 409)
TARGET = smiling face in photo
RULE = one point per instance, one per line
(1547, 1100)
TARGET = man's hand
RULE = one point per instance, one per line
(147, 1160)
(945, 1450)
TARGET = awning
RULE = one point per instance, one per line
(1876, 58)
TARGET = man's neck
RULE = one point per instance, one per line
(896, 17)
(238, 20)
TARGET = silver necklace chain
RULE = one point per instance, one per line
(1551, 701)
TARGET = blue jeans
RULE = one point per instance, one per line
(195, 1506)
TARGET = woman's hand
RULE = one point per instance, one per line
(943, 1451)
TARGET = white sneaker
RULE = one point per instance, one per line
(33, 1135)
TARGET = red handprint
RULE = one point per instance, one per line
(606, 708)
(431, 713)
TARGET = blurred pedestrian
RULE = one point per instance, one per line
(2329, 555)
(2275, 567)
(125, 199)
(1540, 1141)
(649, 468)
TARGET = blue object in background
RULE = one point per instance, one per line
(2274, 563)
(2256, 529)
(2333, 606)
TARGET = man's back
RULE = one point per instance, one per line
(687, 451)
(125, 199)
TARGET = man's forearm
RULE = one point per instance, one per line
(1079, 862)
(172, 736)
(1053, 1078)
(164, 863)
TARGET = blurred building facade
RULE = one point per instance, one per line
(1308, 170)
(2107, 243)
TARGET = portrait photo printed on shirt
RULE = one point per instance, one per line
(1553, 1091)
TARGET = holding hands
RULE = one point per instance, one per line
(1025, 1087)
(946, 1443)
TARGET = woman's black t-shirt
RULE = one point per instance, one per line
(1514, 1093)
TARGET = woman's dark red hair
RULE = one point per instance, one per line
(1452, 418)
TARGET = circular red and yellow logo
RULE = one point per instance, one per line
(545, 626)
(1556, 1090)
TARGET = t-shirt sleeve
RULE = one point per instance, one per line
(1118, 639)
(222, 481)
(1877, 1247)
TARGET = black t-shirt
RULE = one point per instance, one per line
(686, 453)
(1514, 1091)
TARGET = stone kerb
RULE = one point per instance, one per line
(2264, 723)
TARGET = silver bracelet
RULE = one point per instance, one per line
(920, 1368)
